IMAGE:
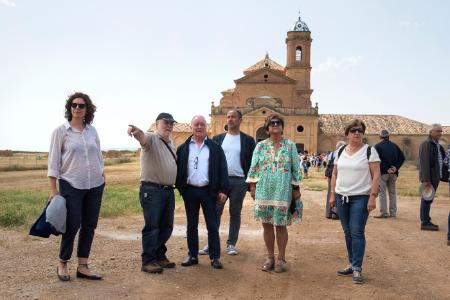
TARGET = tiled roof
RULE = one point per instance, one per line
(334, 124)
(446, 129)
(180, 127)
(264, 63)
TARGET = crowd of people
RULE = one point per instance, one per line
(210, 171)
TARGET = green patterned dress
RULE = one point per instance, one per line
(274, 175)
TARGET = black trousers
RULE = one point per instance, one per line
(194, 198)
(83, 209)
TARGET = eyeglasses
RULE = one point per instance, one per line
(354, 130)
(275, 123)
(196, 163)
(79, 105)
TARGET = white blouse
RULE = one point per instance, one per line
(353, 177)
(76, 157)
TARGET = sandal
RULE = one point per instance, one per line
(85, 276)
(62, 277)
(268, 265)
(280, 266)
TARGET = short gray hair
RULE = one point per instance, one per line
(198, 116)
(434, 126)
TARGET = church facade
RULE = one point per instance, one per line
(267, 87)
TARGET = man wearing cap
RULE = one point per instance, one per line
(158, 175)
(431, 156)
(202, 180)
(238, 148)
(392, 159)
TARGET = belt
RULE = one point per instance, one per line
(157, 185)
(198, 187)
(236, 177)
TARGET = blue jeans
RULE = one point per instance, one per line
(353, 215)
(83, 208)
(158, 205)
(425, 211)
(238, 188)
(194, 198)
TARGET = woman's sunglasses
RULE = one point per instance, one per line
(79, 105)
(275, 123)
(354, 130)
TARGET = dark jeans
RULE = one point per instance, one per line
(425, 207)
(83, 209)
(194, 198)
(158, 206)
(236, 198)
(353, 215)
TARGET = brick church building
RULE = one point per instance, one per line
(268, 87)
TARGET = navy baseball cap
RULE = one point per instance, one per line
(165, 116)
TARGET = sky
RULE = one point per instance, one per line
(138, 58)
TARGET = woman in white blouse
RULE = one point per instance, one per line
(354, 188)
(75, 160)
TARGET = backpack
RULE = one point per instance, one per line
(330, 166)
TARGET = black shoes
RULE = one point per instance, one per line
(216, 264)
(166, 264)
(357, 277)
(190, 261)
(429, 226)
(152, 268)
(90, 277)
(345, 272)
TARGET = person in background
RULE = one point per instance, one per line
(75, 161)
(354, 188)
(431, 156)
(392, 159)
(274, 180)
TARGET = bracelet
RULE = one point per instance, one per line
(374, 194)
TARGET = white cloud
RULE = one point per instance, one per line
(333, 63)
(10, 3)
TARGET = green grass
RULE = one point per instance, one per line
(21, 208)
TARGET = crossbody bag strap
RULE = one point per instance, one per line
(168, 147)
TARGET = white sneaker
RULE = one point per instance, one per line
(231, 250)
(204, 251)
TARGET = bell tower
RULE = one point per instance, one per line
(298, 60)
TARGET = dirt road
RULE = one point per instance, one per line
(401, 261)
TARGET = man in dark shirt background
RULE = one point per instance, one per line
(392, 159)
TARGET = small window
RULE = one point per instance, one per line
(298, 54)
(300, 128)
(266, 76)
(263, 112)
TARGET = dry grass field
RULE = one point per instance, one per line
(401, 262)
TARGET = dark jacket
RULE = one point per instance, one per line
(217, 170)
(429, 164)
(41, 227)
(390, 155)
(247, 147)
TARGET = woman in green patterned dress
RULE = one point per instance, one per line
(274, 179)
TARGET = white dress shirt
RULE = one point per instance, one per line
(198, 164)
(76, 157)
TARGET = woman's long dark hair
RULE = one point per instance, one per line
(90, 107)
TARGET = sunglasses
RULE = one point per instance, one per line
(196, 163)
(354, 130)
(79, 105)
(275, 123)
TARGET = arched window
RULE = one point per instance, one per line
(261, 134)
(298, 54)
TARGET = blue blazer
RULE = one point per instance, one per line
(41, 228)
